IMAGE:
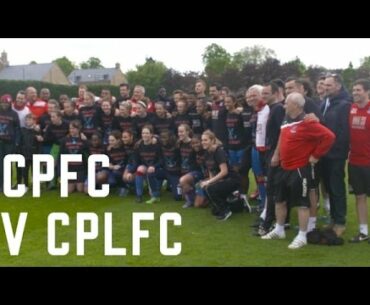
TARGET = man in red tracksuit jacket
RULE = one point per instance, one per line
(302, 143)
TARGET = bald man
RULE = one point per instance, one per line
(302, 143)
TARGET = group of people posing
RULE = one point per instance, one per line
(204, 146)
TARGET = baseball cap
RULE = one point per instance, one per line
(6, 98)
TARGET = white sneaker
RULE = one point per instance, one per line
(297, 243)
(187, 205)
(123, 192)
(327, 206)
(246, 204)
(273, 235)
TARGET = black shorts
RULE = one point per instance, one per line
(81, 175)
(315, 175)
(246, 162)
(359, 179)
(272, 173)
(294, 186)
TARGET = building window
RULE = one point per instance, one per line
(105, 76)
(77, 79)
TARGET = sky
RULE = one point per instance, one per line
(181, 54)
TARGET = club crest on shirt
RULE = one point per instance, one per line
(359, 122)
(293, 129)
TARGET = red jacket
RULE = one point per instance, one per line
(38, 108)
(299, 140)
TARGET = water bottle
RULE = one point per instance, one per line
(179, 190)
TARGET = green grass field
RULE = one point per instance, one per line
(205, 240)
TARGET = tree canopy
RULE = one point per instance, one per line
(252, 55)
(250, 65)
(150, 75)
(216, 60)
(91, 63)
(65, 65)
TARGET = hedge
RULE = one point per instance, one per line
(13, 86)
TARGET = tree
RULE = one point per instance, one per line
(300, 66)
(250, 75)
(92, 63)
(365, 63)
(349, 75)
(252, 55)
(293, 68)
(150, 75)
(362, 72)
(232, 79)
(33, 62)
(314, 72)
(65, 65)
(270, 69)
(216, 60)
(174, 80)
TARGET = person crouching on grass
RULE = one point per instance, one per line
(187, 163)
(222, 181)
(149, 165)
(54, 133)
(96, 147)
(199, 172)
(73, 144)
(190, 182)
(171, 162)
(113, 175)
(301, 144)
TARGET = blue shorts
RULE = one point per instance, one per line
(45, 149)
(236, 156)
(197, 176)
(199, 191)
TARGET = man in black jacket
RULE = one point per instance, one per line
(335, 110)
(9, 132)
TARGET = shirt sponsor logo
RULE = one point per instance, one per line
(359, 122)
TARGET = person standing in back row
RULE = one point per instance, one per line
(9, 132)
(302, 143)
(359, 154)
(335, 110)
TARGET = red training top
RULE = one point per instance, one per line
(299, 140)
(359, 124)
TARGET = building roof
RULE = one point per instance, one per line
(91, 75)
(25, 72)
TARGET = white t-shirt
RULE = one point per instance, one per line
(22, 115)
(262, 117)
